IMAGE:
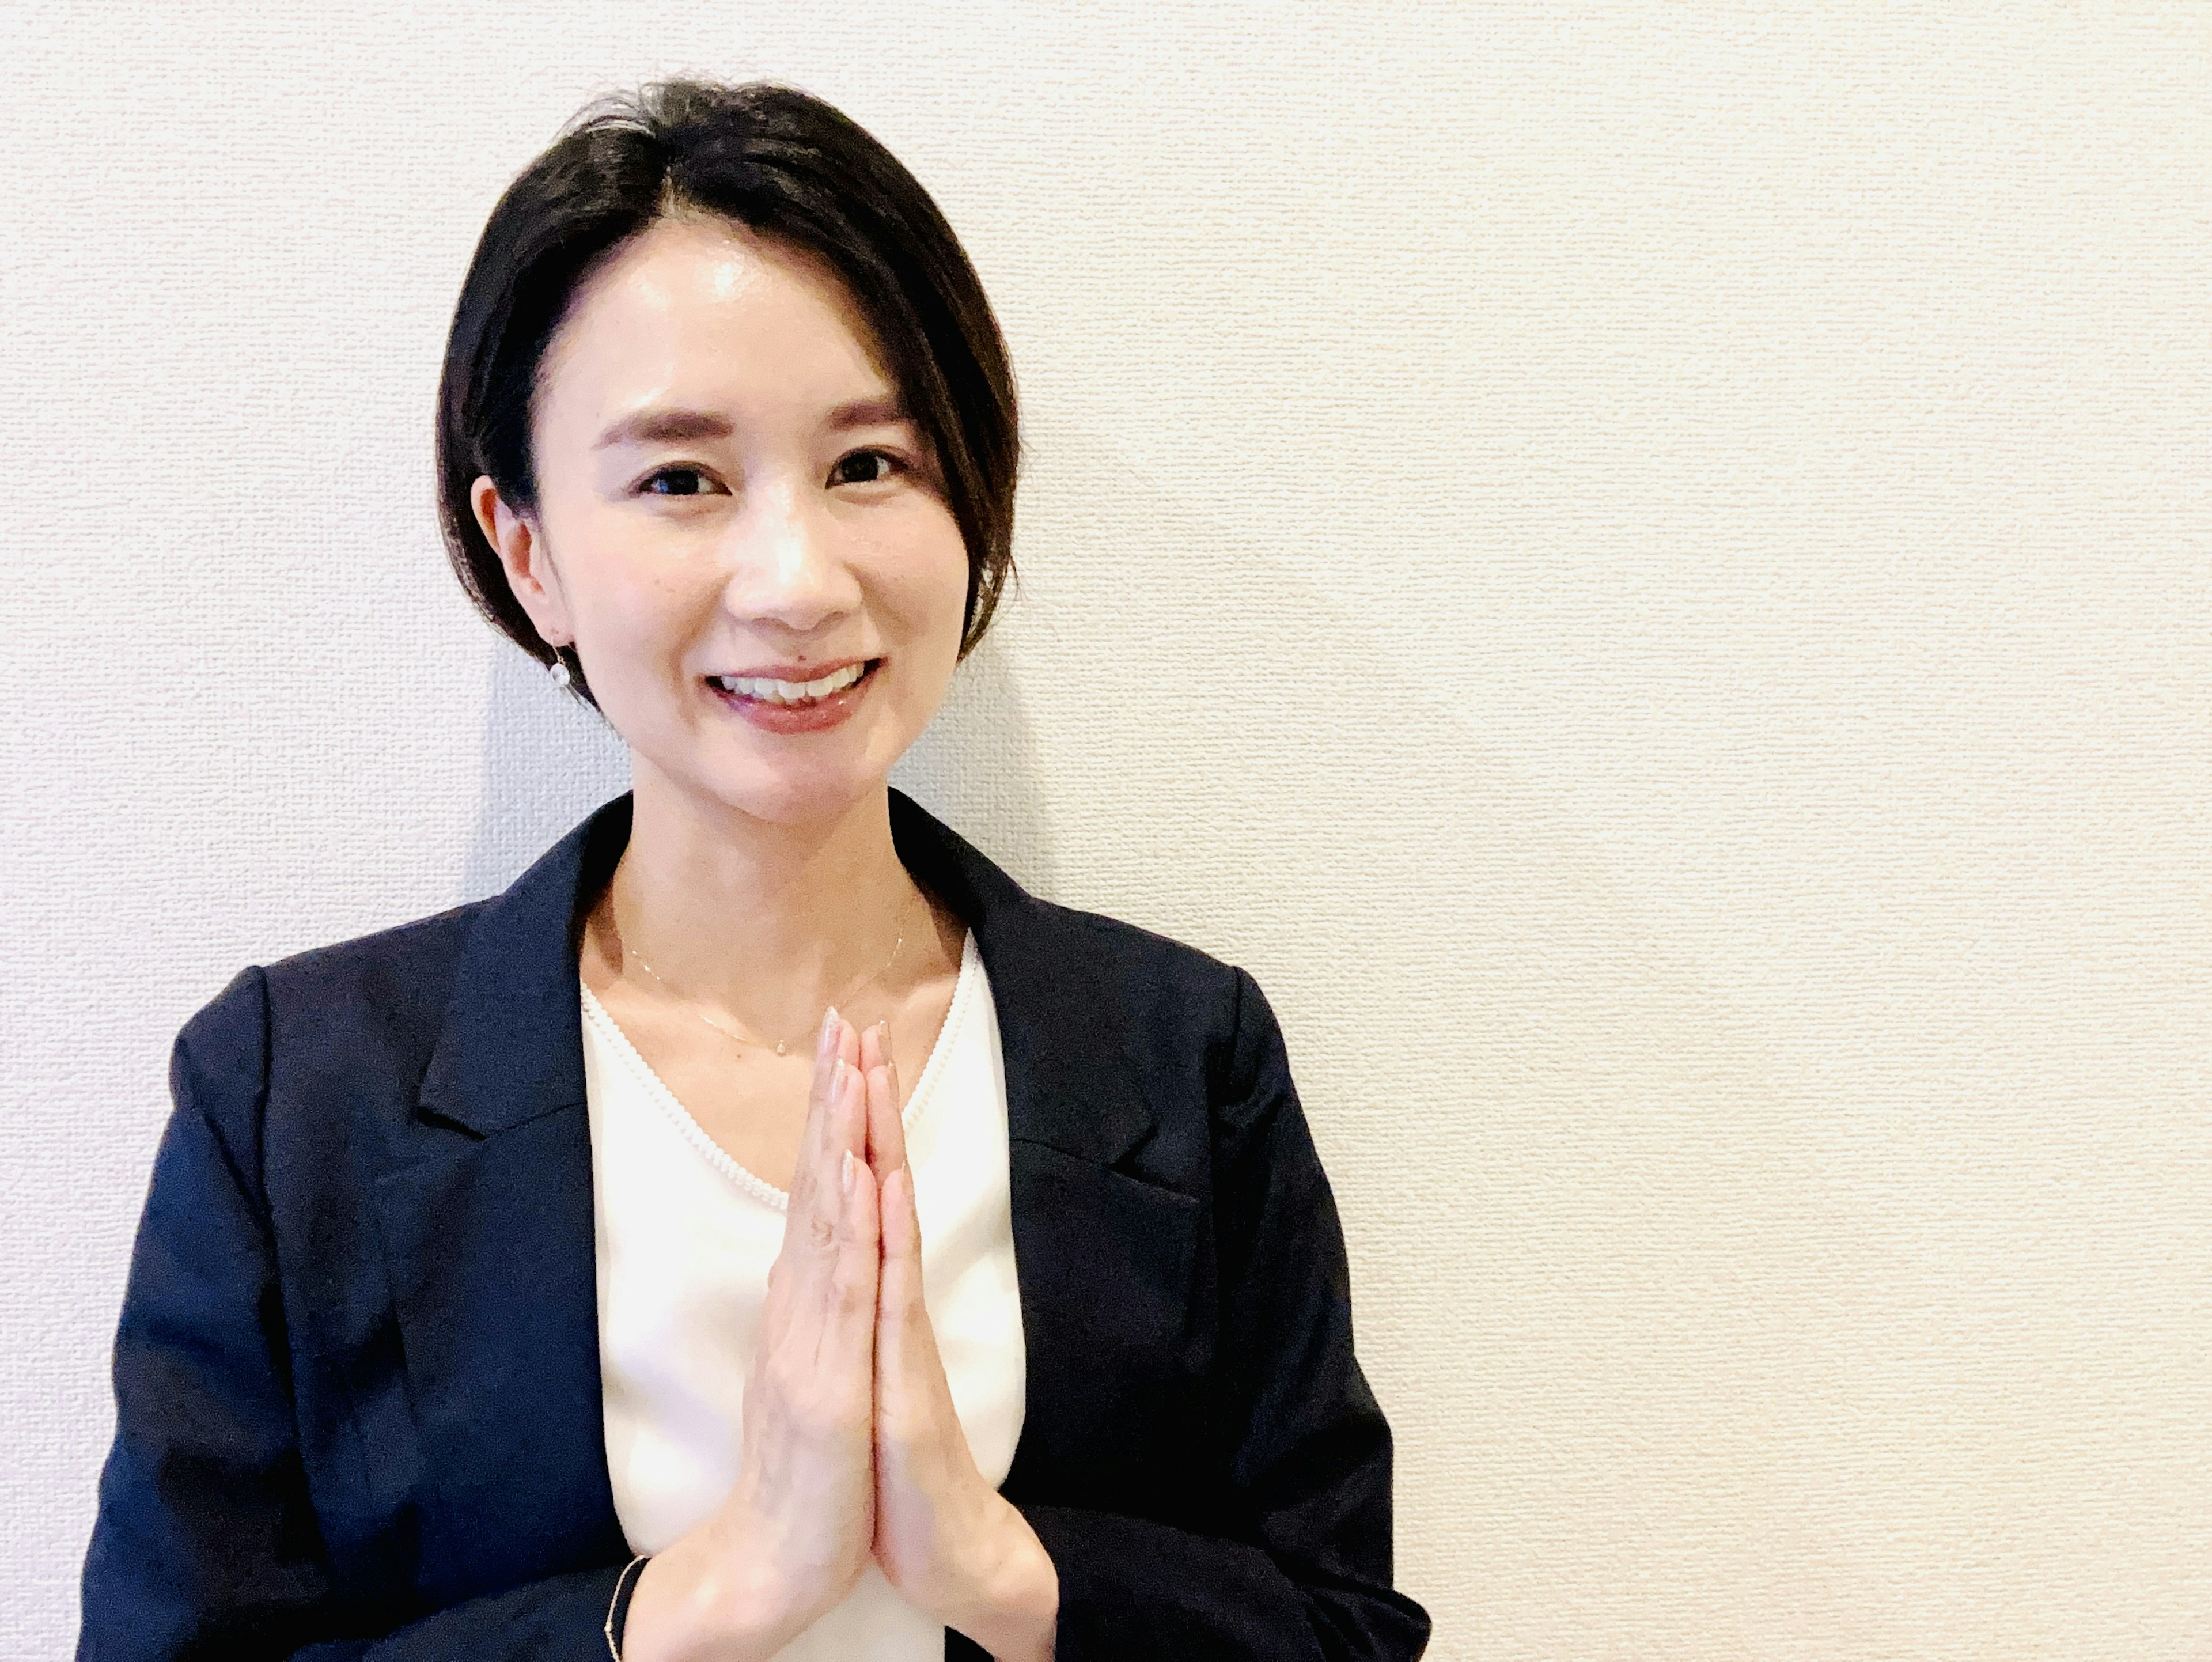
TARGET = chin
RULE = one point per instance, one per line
(778, 779)
(796, 794)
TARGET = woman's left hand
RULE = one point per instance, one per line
(950, 1543)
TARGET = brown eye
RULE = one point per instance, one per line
(864, 468)
(676, 481)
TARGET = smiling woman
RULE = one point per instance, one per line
(520, 1282)
(732, 514)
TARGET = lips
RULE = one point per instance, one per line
(775, 704)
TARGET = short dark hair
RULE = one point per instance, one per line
(785, 165)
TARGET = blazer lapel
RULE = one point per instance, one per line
(487, 1229)
(1103, 1259)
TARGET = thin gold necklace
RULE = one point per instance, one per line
(781, 1045)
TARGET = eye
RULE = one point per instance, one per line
(682, 481)
(866, 467)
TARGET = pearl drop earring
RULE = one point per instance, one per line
(558, 669)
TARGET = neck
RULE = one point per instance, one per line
(769, 921)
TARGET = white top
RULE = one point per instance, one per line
(685, 1236)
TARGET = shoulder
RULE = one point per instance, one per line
(396, 976)
(1180, 1006)
(368, 1006)
(387, 974)
(1138, 955)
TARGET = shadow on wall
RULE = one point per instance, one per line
(548, 761)
(976, 767)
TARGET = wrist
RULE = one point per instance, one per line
(1013, 1606)
(687, 1607)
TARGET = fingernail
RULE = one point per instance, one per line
(852, 1173)
(837, 1071)
(829, 1026)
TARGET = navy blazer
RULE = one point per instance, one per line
(357, 1370)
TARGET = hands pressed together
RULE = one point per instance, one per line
(850, 1446)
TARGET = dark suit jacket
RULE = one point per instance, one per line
(357, 1373)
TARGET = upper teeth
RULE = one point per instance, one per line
(792, 692)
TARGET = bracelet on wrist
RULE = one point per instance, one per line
(619, 1607)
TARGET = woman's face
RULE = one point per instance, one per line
(735, 516)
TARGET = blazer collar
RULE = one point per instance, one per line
(512, 1047)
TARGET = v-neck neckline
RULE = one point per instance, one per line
(604, 1026)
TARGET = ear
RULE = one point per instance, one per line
(528, 563)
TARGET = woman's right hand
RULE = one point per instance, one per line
(796, 1529)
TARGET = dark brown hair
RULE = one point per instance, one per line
(782, 163)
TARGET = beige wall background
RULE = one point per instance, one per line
(1644, 567)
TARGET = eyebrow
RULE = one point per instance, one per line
(662, 427)
(869, 412)
(675, 426)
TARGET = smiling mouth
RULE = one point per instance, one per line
(794, 694)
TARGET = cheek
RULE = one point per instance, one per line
(940, 604)
(634, 585)
(919, 583)
(947, 580)
(637, 606)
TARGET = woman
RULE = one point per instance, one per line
(588, 1269)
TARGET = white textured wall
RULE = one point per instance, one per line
(1646, 569)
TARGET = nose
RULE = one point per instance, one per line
(786, 567)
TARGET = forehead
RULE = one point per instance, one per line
(703, 312)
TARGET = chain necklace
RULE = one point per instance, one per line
(781, 1045)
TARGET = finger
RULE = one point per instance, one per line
(885, 1142)
(837, 1132)
(817, 1206)
(872, 1061)
(909, 1377)
(826, 1052)
(854, 1286)
(814, 1138)
(893, 1288)
(909, 1226)
(900, 1297)
(852, 1124)
(886, 1126)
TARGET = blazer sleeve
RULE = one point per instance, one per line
(1307, 1576)
(206, 1543)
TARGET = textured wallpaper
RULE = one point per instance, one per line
(1648, 570)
